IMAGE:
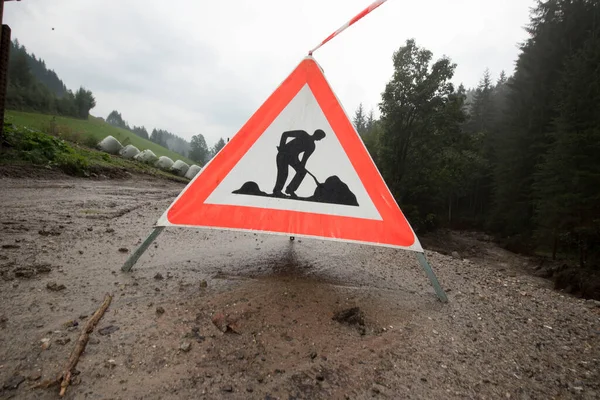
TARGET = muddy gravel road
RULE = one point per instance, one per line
(212, 314)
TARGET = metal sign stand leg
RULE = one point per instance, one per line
(141, 250)
(432, 278)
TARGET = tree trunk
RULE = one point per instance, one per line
(555, 246)
(450, 211)
(581, 253)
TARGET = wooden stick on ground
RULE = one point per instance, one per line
(65, 378)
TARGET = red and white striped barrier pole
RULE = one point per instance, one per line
(364, 12)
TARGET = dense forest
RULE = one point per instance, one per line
(517, 156)
(33, 87)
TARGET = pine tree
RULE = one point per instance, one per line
(199, 150)
(359, 121)
(217, 147)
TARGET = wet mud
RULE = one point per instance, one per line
(209, 314)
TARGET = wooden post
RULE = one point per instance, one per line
(432, 278)
(4, 53)
(142, 249)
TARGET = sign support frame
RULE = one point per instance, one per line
(132, 259)
(432, 278)
(135, 256)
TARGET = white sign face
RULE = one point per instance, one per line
(291, 166)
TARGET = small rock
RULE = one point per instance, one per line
(224, 323)
(108, 330)
(313, 355)
(110, 230)
(62, 341)
(91, 228)
(123, 250)
(160, 310)
(13, 382)
(94, 340)
(110, 363)
(203, 284)
(227, 388)
(45, 343)
(185, 347)
(55, 287)
(320, 377)
(378, 389)
(249, 389)
(195, 334)
(219, 321)
(158, 276)
(11, 246)
(34, 376)
(70, 324)
(456, 255)
(43, 268)
(51, 232)
(593, 303)
(24, 272)
(80, 251)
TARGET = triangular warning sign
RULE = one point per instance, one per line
(297, 167)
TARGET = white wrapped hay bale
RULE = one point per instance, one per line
(146, 156)
(110, 145)
(180, 168)
(192, 171)
(164, 163)
(129, 151)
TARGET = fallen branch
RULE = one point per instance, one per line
(65, 378)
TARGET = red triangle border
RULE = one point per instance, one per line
(189, 209)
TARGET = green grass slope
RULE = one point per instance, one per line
(92, 128)
(26, 147)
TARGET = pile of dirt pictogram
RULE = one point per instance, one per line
(332, 191)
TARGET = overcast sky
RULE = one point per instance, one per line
(193, 66)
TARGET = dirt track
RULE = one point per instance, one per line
(504, 334)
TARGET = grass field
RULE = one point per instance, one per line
(26, 147)
(92, 130)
